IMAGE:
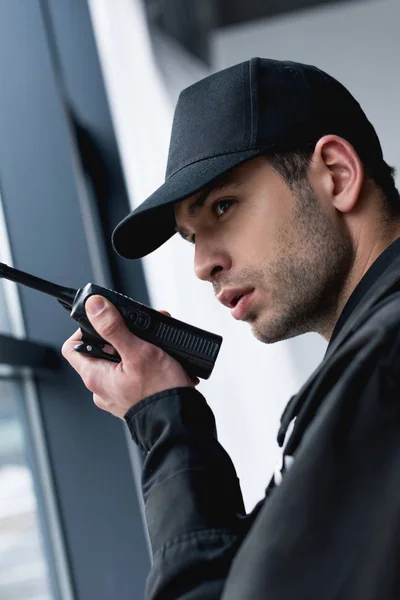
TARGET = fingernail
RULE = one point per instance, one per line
(94, 306)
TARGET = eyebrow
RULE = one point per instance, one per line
(195, 207)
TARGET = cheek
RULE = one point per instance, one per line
(267, 230)
(251, 244)
(259, 229)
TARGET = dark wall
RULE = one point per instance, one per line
(233, 12)
(190, 22)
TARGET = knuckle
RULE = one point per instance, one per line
(109, 328)
(69, 344)
(98, 401)
(89, 380)
(157, 353)
(152, 353)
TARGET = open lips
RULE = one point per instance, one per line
(230, 298)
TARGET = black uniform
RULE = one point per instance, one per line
(331, 528)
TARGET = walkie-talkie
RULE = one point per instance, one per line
(195, 349)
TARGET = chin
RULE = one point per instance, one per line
(263, 331)
(274, 329)
(268, 337)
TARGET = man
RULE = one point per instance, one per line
(278, 178)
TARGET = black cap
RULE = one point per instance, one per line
(252, 108)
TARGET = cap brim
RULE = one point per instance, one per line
(153, 222)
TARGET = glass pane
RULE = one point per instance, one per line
(5, 325)
(23, 570)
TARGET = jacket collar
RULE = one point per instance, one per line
(381, 279)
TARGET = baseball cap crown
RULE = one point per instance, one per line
(231, 116)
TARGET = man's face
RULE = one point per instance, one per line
(282, 251)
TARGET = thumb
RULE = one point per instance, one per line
(108, 322)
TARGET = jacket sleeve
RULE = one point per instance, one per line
(193, 502)
(330, 530)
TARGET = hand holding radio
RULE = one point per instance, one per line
(143, 369)
(195, 349)
(153, 351)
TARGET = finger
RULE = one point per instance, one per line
(76, 336)
(70, 343)
(165, 312)
(98, 401)
(94, 372)
(108, 349)
(109, 324)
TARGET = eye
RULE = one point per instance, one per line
(220, 207)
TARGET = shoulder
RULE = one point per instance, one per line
(379, 332)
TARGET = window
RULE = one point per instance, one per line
(89, 525)
(23, 568)
(24, 518)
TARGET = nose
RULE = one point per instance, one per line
(208, 261)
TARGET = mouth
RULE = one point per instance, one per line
(241, 306)
(231, 298)
(236, 299)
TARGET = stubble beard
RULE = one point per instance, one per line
(304, 284)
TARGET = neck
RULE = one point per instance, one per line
(366, 250)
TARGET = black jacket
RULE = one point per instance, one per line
(331, 528)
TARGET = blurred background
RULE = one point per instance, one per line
(87, 94)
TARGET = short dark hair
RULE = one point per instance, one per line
(293, 166)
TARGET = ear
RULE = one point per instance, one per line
(342, 171)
